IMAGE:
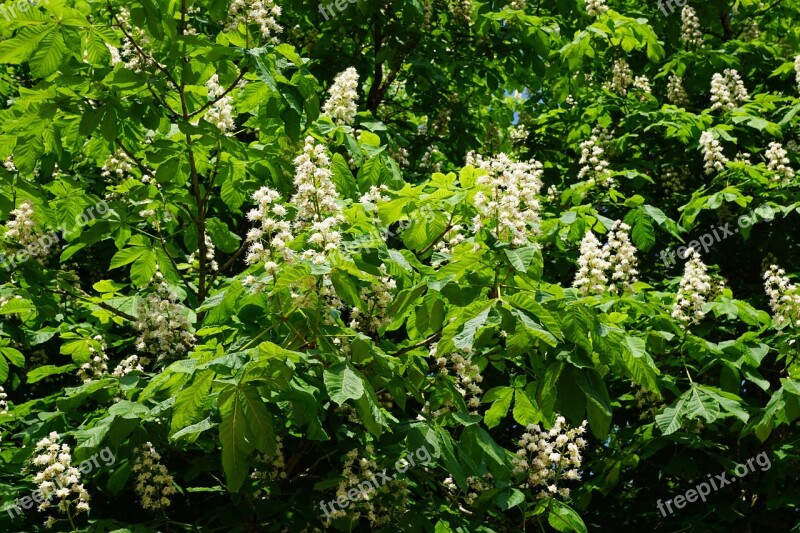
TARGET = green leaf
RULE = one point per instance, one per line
(501, 396)
(343, 383)
(564, 519)
(524, 411)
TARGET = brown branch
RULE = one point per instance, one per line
(374, 96)
(435, 337)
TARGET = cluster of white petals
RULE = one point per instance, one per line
(727, 90)
(695, 288)
(269, 241)
(778, 163)
(220, 114)
(58, 479)
(270, 470)
(97, 366)
(467, 376)
(549, 458)
(3, 402)
(118, 165)
(595, 8)
(518, 133)
(797, 71)
(22, 231)
(518, 4)
(264, 13)
(9, 165)
(126, 366)
(643, 84)
(317, 202)
(154, 484)
(136, 53)
(461, 10)
(691, 33)
(452, 238)
(507, 201)
(593, 264)
(622, 255)
(163, 324)
(375, 195)
(616, 261)
(621, 77)
(595, 165)
(341, 104)
(713, 157)
(676, 92)
(355, 486)
(784, 297)
(377, 299)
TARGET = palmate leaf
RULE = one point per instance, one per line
(49, 55)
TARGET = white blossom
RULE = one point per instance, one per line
(126, 366)
(727, 90)
(220, 114)
(595, 8)
(691, 33)
(23, 232)
(622, 255)
(676, 92)
(797, 71)
(778, 163)
(595, 165)
(97, 366)
(507, 200)
(643, 84)
(377, 298)
(163, 324)
(593, 262)
(269, 241)
(784, 297)
(341, 104)
(695, 288)
(549, 458)
(3, 402)
(264, 13)
(58, 479)
(713, 157)
(154, 484)
(621, 77)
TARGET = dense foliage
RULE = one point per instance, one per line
(519, 265)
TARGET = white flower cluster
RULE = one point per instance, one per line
(377, 297)
(593, 263)
(364, 503)
(11, 167)
(621, 77)
(375, 195)
(727, 90)
(548, 458)
(595, 8)
(126, 366)
(784, 297)
(163, 325)
(261, 12)
(56, 477)
(117, 164)
(461, 10)
(622, 255)
(21, 230)
(507, 202)
(778, 162)
(797, 71)
(750, 30)
(97, 366)
(220, 114)
(275, 231)
(643, 84)
(154, 484)
(691, 33)
(3, 402)
(426, 162)
(618, 257)
(450, 240)
(518, 133)
(467, 375)
(341, 104)
(270, 470)
(475, 487)
(136, 54)
(650, 403)
(714, 159)
(595, 165)
(694, 289)
(519, 5)
(676, 92)
(400, 155)
(317, 202)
